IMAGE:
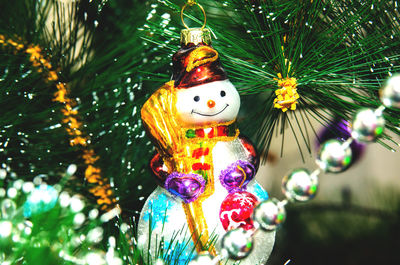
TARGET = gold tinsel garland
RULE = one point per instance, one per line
(101, 188)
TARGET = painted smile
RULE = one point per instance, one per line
(210, 114)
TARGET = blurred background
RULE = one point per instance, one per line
(354, 219)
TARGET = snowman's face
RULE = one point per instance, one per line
(207, 104)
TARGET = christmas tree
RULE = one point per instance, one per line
(75, 151)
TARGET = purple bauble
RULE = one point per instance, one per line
(237, 176)
(188, 187)
(339, 129)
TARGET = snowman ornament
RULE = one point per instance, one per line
(205, 169)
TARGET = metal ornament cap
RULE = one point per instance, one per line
(195, 36)
(238, 243)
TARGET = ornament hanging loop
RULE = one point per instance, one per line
(192, 3)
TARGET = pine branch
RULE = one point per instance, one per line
(340, 54)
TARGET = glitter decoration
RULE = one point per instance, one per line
(159, 210)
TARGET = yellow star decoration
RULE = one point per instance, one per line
(286, 95)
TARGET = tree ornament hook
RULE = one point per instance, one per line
(192, 3)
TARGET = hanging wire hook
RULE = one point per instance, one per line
(192, 3)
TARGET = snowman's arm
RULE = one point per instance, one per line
(251, 152)
(159, 169)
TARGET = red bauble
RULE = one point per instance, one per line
(236, 210)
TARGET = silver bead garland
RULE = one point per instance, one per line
(300, 185)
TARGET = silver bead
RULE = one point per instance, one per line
(203, 258)
(334, 156)
(300, 185)
(238, 243)
(390, 93)
(367, 125)
(269, 214)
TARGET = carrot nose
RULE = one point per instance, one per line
(211, 103)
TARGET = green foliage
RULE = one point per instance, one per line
(38, 222)
(100, 62)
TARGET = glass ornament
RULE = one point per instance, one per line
(334, 156)
(269, 214)
(367, 125)
(203, 258)
(8, 208)
(300, 185)
(390, 93)
(238, 243)
(201, 159)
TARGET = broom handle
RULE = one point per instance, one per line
(198, 226)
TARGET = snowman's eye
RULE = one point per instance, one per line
(196, 98)
(223, 93)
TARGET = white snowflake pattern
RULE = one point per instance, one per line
(243, 199)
